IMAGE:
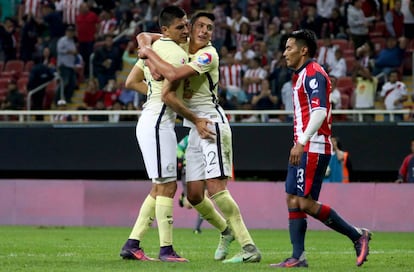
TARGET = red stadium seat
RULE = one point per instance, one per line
(345, 85)
(378, 30)
(13, 68)
(350, 61)
(4, 83)
(22, 85)
(27, 67)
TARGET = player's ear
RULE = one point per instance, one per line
(304, 50)
(164, 30)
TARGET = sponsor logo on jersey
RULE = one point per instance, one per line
(315, 102)
(204, 59)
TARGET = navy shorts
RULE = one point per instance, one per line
(306, 179)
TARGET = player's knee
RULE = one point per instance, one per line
(167, 189)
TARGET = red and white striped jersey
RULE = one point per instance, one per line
(254, 88)
(70, 10)
(231, 75)
(33, 7)
(311, 91)
(106, 26)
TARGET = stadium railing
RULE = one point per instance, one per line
(353, 115)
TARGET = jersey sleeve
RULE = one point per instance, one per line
(204, 61)
(316, 87)
(140, 64)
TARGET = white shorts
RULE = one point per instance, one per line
(158, 147)
(206, 159)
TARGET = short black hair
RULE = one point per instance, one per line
(199, 14)
(305, 37)
(169, 14)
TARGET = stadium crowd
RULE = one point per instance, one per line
(360, 43)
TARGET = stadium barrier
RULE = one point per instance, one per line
(377, 206)
(354, 115)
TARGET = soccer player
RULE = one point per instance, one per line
(310, 154)
(209, 161)
(158, 141)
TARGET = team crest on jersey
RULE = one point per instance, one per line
(204, 59)
(182, 61)
(313, 83)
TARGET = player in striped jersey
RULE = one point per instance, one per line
(209, 161)
(158, 141)
(310, 154)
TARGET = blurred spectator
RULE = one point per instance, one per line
(149, 14)
(363, 97)
(92, 94)
(127, 96)
(231, 75)
(130, 117)
(66, 61)
(62, 117)
(264, 100)
(54, 23)
(391, 57)
(394, 94)
(48, 59)
(279, 73)
(234, 22)
(107, 62)
(324, 9)
(326, 55)
(364, 64)
(295, 19)
(131, 26)
(107, 24)
(312, 21)
(286, 31)
(8, 40)
(111, 93)
(339, 164)
(14, 99)
(116, 106)
(358, 23)
(272, 39)
(244, 35)
(39, 75)
(394, 20)
(99, 117)
(8, 9)
(407, 8)
(253, 78)
(29, 8)
(70, 10)
(29, 35)
(338, 66)
(336, 25)
(244, 55)
(406, 171)
(335, 97)
(86, 26)
(287, 101)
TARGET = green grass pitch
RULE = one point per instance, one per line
(30, 248)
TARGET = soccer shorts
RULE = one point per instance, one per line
(207, 158)
(158, 147)
(306, 179)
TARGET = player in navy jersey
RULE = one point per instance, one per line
(311, 151)
(406, 172)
